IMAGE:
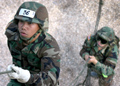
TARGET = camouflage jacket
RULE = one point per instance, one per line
(107, 59)
(40, 57)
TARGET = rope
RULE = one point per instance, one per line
(75, 80)
(5, 72)
(98, 15)
(87, 79)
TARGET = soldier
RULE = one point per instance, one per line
(35, 53)
(102, 50)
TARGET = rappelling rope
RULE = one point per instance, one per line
(98, 15)
(75, 80)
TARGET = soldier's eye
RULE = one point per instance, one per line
(29, 22)
(103, 41)
(21, 21)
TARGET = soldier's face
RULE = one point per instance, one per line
(27, 29)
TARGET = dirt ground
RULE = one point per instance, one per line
(71, 21)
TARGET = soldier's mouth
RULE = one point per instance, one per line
(98, 44)
(23, 34)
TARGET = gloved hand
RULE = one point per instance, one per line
(20, 74)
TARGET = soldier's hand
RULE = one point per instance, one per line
(20, 74)
(92, 60)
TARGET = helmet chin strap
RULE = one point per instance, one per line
(29, 40)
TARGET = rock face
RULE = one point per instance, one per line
(71, 21)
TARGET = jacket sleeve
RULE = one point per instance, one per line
(86, 48)
(107, 68)
(50, 68)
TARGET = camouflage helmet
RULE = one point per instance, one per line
(106, 33)
(33, 12)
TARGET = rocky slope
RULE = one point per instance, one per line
(70, 22)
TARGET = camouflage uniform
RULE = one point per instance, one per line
(40, 57)
(107, 57)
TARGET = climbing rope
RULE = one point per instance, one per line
(98, 15)
(75, 80)
(6, 72)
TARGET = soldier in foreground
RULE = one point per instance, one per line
(102, 49)
(35, 53)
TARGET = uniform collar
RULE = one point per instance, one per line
(102, 50)
(35, 46)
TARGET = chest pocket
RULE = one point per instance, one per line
(34, 60)
(100, 57)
